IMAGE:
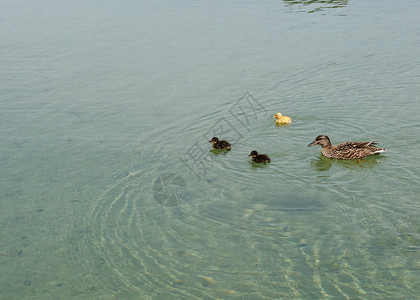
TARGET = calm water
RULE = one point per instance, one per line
(108, 189)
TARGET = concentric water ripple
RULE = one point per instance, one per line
(248, 231)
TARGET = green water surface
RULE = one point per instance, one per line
(108, 187)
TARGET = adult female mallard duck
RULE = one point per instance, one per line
(259, 158)
(280, 119)
(346, 150)
(220, 144)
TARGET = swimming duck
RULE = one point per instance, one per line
(346, 150)
(220, 144)
(280, 119)
(259, 158)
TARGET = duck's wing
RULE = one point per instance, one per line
(223, 145)
(353, 145)
(265, 158)
(364, 144)
(226, 145)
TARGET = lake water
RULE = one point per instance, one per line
(108, 187)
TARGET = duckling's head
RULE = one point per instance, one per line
(214, 140)
(321, 140)
(253, 153)
(278, 115)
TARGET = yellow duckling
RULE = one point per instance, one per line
(280, 119)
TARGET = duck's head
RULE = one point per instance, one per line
(321, 140)
(278, 115)
(214, 140)
(253, 153)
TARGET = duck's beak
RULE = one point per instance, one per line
(312, 144)
(274, 117)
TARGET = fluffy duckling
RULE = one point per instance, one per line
(220, 144)
(259, 158)
(280, 119)
(346, 150)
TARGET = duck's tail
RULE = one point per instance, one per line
(379, 151)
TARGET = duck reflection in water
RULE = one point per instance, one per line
(322, 163)
(311, 6)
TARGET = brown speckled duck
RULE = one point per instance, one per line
(346, 150)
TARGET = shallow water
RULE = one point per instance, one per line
(108, 186)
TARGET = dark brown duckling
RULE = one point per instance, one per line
(346, 150)
(220, 144)
(259, 158)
